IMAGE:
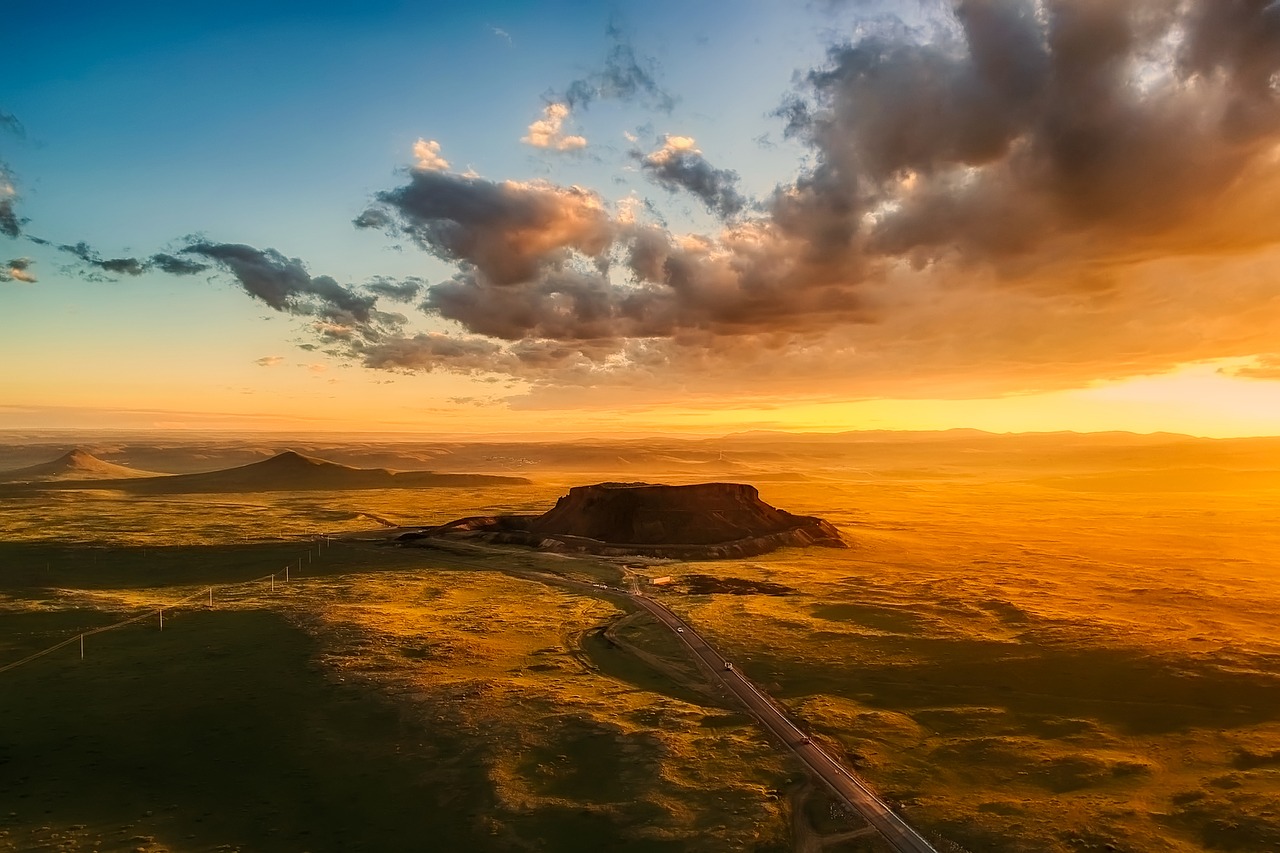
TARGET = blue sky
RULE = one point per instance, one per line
(277, 124)
(274, 125)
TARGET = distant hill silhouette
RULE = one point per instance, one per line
(75, 464)
(287, 472)
(701, 521)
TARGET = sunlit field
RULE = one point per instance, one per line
(1020, 658)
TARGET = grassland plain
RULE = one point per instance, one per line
(387, 700)
(1029, 669)
(1022, 666)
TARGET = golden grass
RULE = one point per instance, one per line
(1021, 665)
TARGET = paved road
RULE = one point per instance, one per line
(848, 787)
(900, 836)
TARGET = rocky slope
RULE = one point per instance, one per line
(703, 521)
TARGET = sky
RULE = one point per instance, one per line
(1012, 215)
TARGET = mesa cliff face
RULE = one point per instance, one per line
(703, 521)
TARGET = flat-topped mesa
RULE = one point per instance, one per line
(703, 521)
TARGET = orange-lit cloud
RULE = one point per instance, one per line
(1264, 366)
(1043, 196)
(1046, 195)
(426, 155)
(548, 131)
(17, 269)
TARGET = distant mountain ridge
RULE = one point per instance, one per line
(285, 472)
(75, 464)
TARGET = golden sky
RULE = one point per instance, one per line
(1011, 216)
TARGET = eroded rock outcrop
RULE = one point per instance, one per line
(703, 521)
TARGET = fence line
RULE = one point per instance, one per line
(324, 542)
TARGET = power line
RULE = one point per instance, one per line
(151, 610)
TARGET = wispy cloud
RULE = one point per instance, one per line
(10, 223)
(625, 76)
(1263, 367)
(93, 265)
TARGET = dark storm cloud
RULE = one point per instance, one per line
(624, 77)
(677, 165)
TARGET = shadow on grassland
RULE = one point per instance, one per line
(36, 566)
(1126, 688)
(220, 731)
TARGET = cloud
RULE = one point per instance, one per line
(127, 265)
(1264, 367)
(10, 124)
(17, 269)
(175, 265)
(1030, 195)
(1116, 125)
(426, 154)
(548, 131)
(426, 352)
(284, 283)
(508, 230)
(679, 165)
(397, 290)
(269, 360)
(118, 266)
(502, 34)
(346, 319)
(10, 223)
(624, 77)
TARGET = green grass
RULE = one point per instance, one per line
(387, 696)
(221, 731)
(1022, 670)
